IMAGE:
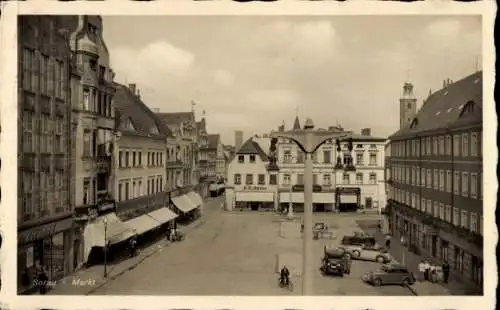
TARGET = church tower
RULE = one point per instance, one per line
(407, 105)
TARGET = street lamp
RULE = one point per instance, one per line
(105, 247)
(308, 141)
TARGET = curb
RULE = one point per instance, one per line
(412, 290)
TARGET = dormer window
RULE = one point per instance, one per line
(467, 108)
(414, 123)
(154, 130)
(129, 125)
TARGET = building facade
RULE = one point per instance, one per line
(204, 180)
(45, 137)
(338, 183)
(249, 183)
(436, 188)
(140, 156)
(94, 127)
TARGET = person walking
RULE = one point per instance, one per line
(446, 272)
(421, 271)
(427, 270)
(388, 241)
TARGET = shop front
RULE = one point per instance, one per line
(347, 199)
(47, 246)
(188, 205)
(254, 198)
(323, 200)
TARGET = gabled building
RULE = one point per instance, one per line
(204, 180)
(249, 184)
(436, 187)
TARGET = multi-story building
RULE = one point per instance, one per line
(220, 158)
(183, 146)
(336, 185)
(436, 188)
(204, 181)
(45, 136)
(249, 183)
(140, 183)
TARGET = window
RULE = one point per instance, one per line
(435, 209)
(286, 179)
(435, 177)
(359, 178)
(345, 178)
(447, 213)
(456, 145)
(465, 144)
(315, 179)
(429, 145)
(424, 146)
(473, 185)
(300, 157)
(327, 157)
(429, 206)
(373, 159)
(252, 159)
(441, 146)
(473, 222)
(464, 220)
(441, 180)
(300, 179)
(327, 179)
(262, 179)
(287, 156)
(423, 177)
(473, 144)
(87, 147)
(237, 179)
(373, 178)
(86, 192)
(407, 175)
(465, 184)
(448, 181)
(241, 159)
(435, 145)
(456, 183)
(359, 159)
(422, 204)
(456, 217)
(447, 145)
(429, 178)
(272, 179)
(441, 211)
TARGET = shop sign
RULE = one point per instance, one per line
(44, 231)
(348, 190)
(255, 188)
(300, 188)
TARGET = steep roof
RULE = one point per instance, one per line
(131, 110)
(443, 109)
(175, 118)
(251, 147)
(296, 123)
(213, 140)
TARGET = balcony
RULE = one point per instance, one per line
(103, 163)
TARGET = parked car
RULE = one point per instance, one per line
(390, 274)
(335, 262)
(375, 253)
(358, 239)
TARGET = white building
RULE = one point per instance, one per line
(249, 184)
(334, 189)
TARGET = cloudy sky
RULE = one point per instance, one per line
(254, 72)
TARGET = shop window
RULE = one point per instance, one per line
(262, 179)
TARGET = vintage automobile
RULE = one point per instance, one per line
(335, 262)
(375, 253)
(358, 238)
(390, 274)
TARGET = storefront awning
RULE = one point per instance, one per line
(254, 196)
(116, 231)
(195, 198)
(142, 223)
(163, 215)
(183, 203)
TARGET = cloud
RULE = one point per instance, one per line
(273, 99)
(223, 78)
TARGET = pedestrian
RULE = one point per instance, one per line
(133, 243)
(421, 271)
(427, 270)
(446, 271)
(403, 240)
(388, 241)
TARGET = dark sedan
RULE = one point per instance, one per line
(390, 274)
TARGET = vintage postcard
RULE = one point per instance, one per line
(215, 157)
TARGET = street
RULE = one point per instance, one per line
(234, 253)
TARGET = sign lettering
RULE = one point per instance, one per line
(255, 188)
(300, 188)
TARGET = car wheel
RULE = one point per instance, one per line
(355, 253)
(406, 282)
(380, 259)
(377, 282)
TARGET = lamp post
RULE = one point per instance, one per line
(105, 247)
(308, 141)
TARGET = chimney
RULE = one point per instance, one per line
(366, 132)
(131, 87)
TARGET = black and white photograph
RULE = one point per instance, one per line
(250, 155)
